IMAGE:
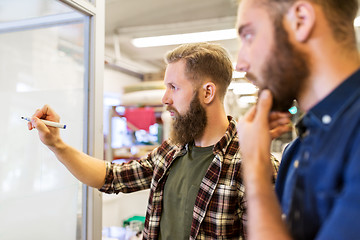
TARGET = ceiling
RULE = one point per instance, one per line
(128, 19)
(125, 20)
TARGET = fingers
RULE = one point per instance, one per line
(264, 106)
(280, 121)
(278, 115)
(30, 126)
(47, 113)
(280, 130)
(250, 114)
(39, 125)
(38, 113)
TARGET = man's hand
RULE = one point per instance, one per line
(259, 123)
(50, 136)
(87, 169)
(264, 212)
(256, 130)
(280, 123)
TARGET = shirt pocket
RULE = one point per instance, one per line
(222, 209)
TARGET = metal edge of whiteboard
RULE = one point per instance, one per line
(83, 6)
(41, 22)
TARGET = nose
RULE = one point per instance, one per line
(166, 99)
(241, 65)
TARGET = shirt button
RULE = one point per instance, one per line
(296, 164)
(306, 133)
(306, 155)
(326, 119)
(283, 216)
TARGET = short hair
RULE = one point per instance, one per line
(204, 60)
(339, 13)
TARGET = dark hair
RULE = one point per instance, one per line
(204, 60)
(340, 15)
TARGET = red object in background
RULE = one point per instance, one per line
(141, 118)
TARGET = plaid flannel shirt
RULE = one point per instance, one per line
(219, 210)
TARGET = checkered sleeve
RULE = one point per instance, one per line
(275, 164)
(128, 177)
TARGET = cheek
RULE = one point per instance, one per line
(182, 109)
(180, 106)
(265, 60)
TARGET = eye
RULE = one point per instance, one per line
(172, 87)
(247, 37)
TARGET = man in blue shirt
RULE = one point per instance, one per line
(303, 50)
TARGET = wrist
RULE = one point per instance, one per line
(258, 169)
(58, 146)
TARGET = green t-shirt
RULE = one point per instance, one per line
(181, 188)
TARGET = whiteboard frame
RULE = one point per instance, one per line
(93, 141)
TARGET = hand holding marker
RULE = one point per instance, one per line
(48, 123)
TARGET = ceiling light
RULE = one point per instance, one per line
(243, 88)
(357, 22)
(246, 100)
(238, 74)
(185, 38)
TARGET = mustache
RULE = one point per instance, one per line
(169, 108)
(251, 77)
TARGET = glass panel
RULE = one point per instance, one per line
(30, 9)
(39, 198)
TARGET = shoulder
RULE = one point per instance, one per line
(166, 146)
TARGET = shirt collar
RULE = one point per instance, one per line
(331, 107)
(231, 131)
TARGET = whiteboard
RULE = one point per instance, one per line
(39, 198)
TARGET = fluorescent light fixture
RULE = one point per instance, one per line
(184, 38)
(243, 88)
(247, 100)
(238, 74)
(111, 101)
(357, 22)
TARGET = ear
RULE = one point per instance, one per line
(301, 17)
(209, 90)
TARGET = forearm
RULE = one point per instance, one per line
(264, 212)
(263, 209)
(87, 169)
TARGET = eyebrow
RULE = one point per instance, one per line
(242, 27)
(170, 84)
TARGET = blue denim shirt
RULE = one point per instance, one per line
(318, 183)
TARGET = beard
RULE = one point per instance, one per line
(285, 71)
(190, 126)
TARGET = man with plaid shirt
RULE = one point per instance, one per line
(195, 176)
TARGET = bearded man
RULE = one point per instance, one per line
(195, 176)
(304, 50)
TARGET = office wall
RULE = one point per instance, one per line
(117, 208)
(114, 83)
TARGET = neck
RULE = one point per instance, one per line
(215, 129)
(329, 69)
